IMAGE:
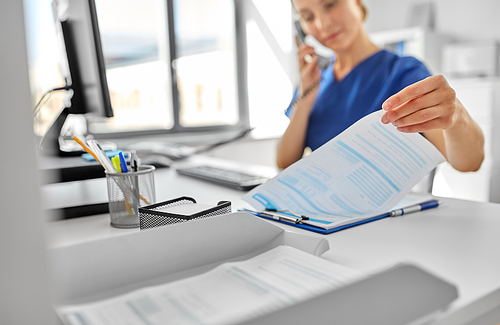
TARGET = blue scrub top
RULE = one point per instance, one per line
(339, 104)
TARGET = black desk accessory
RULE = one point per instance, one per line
(179, 210)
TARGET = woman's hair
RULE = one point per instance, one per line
(364, 10)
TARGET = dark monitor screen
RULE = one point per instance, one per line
(82, 65)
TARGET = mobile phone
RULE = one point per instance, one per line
(323, 61)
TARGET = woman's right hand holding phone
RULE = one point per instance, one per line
(309, 75)
(291, 145)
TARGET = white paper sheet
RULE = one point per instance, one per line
(231, 292)
(361, 173)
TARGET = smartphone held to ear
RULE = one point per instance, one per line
(323, 60)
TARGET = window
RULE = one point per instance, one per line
(271, 63)
(179, 65)
(171, 65)
(43, 59)
(206, 62)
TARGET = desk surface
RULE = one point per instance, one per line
(459, 241)
(168, 185)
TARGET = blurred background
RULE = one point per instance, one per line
(191, 67)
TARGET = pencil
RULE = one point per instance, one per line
(87, 149)
(144, 199)
(127, 204)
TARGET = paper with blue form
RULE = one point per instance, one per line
(362, 173)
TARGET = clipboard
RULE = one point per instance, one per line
(426, 205)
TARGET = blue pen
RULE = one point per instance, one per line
(123, 164)
(415, 208)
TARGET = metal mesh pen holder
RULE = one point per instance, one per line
(127, 192)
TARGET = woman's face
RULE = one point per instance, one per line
(335, 23)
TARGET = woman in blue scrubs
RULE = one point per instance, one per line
(363, 79)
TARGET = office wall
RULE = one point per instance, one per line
(458, 21)
(463, 19)
(24, 286)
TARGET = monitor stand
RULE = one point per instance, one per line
(53, 143)
(48, 144)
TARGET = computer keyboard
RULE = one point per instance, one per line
(169, 149)
(224, 176)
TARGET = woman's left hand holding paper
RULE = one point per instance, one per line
(431, 107)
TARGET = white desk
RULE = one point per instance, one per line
(168, 185)
(459, 241)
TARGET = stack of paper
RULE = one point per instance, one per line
(232, 292)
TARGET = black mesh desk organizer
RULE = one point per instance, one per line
(150, 216)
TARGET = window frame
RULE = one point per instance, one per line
(178, 129)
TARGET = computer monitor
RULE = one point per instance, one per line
(82, 63)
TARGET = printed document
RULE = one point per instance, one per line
(231, 292)
(363, 172)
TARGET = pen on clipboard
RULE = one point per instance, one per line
(415, 208)
(282, 217)
(288, 212)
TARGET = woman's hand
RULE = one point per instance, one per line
(430, 106)
(308, 69)
(291, 145)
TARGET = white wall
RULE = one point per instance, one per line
(24, 284)
(469, 20)
(463, 19)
